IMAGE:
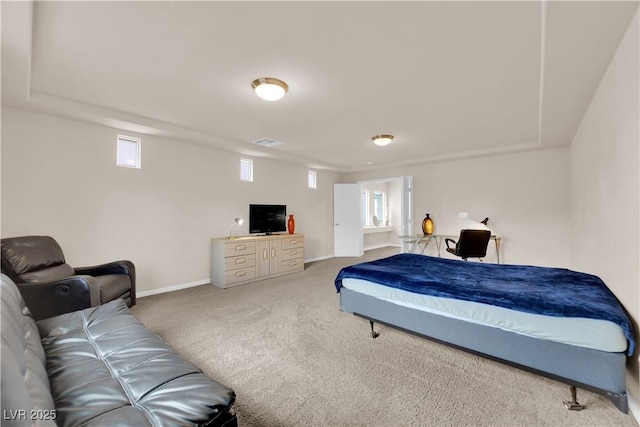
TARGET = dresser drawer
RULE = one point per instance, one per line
(293, 242)
(240, 261)
(288, 254)
(239, 248)
(292, 265)
(239, 275)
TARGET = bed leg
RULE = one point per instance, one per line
(573, 405)
(374, 334)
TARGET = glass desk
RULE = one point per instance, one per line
(413, 244)
(418, 243)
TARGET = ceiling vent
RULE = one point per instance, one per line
(267, 142)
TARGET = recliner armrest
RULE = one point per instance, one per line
(61, 296)
(115, 267)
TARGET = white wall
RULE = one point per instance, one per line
(605, 188)
(525, 195)
(59, 178)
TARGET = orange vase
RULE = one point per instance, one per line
(291, 224)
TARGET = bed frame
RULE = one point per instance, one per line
(597, 371)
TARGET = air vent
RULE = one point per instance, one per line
(267, 142)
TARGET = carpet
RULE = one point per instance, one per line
(295, 360)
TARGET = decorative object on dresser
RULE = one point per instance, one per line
(250, 258)
(237, 221)
(291, 224)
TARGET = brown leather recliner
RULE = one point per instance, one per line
(50, 286)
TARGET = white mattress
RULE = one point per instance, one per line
(590, 333)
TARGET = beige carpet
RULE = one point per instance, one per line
(295, 360)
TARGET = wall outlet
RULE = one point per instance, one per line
(462, 215)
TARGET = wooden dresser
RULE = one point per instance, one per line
(245, 259)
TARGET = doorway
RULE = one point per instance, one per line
(380, 210)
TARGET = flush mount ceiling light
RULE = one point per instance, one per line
(269, 88)
(382, 140)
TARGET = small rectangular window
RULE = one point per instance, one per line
(312, 179)
(379, 210)
(128, 152)
(246, 170)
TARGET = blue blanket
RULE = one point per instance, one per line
(539, 290)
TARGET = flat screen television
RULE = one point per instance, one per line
(267, 219)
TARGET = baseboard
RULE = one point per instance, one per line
(320, 258)
(370, 248)
(365, 249)
(172, 288)
(386, 245)
(634, 408)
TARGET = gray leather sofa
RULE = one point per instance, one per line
(99, 366)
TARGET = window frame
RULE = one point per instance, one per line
(127, 162)
(246, 170)
(312, 179)
(369, 208)
(380, 196)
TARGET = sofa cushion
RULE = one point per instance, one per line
(25, 384)
(106, 368)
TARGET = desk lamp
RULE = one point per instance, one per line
(237, 221)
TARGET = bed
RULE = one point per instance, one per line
(555, 322)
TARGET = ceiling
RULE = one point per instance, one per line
(447, 79)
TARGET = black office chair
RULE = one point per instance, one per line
(471, 244)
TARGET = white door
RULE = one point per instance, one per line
(347, 220)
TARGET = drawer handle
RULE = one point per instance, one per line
(293, 263)
(293, 242)
(293, 252)
(240, 273)
(241, 248)
(241, 260)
